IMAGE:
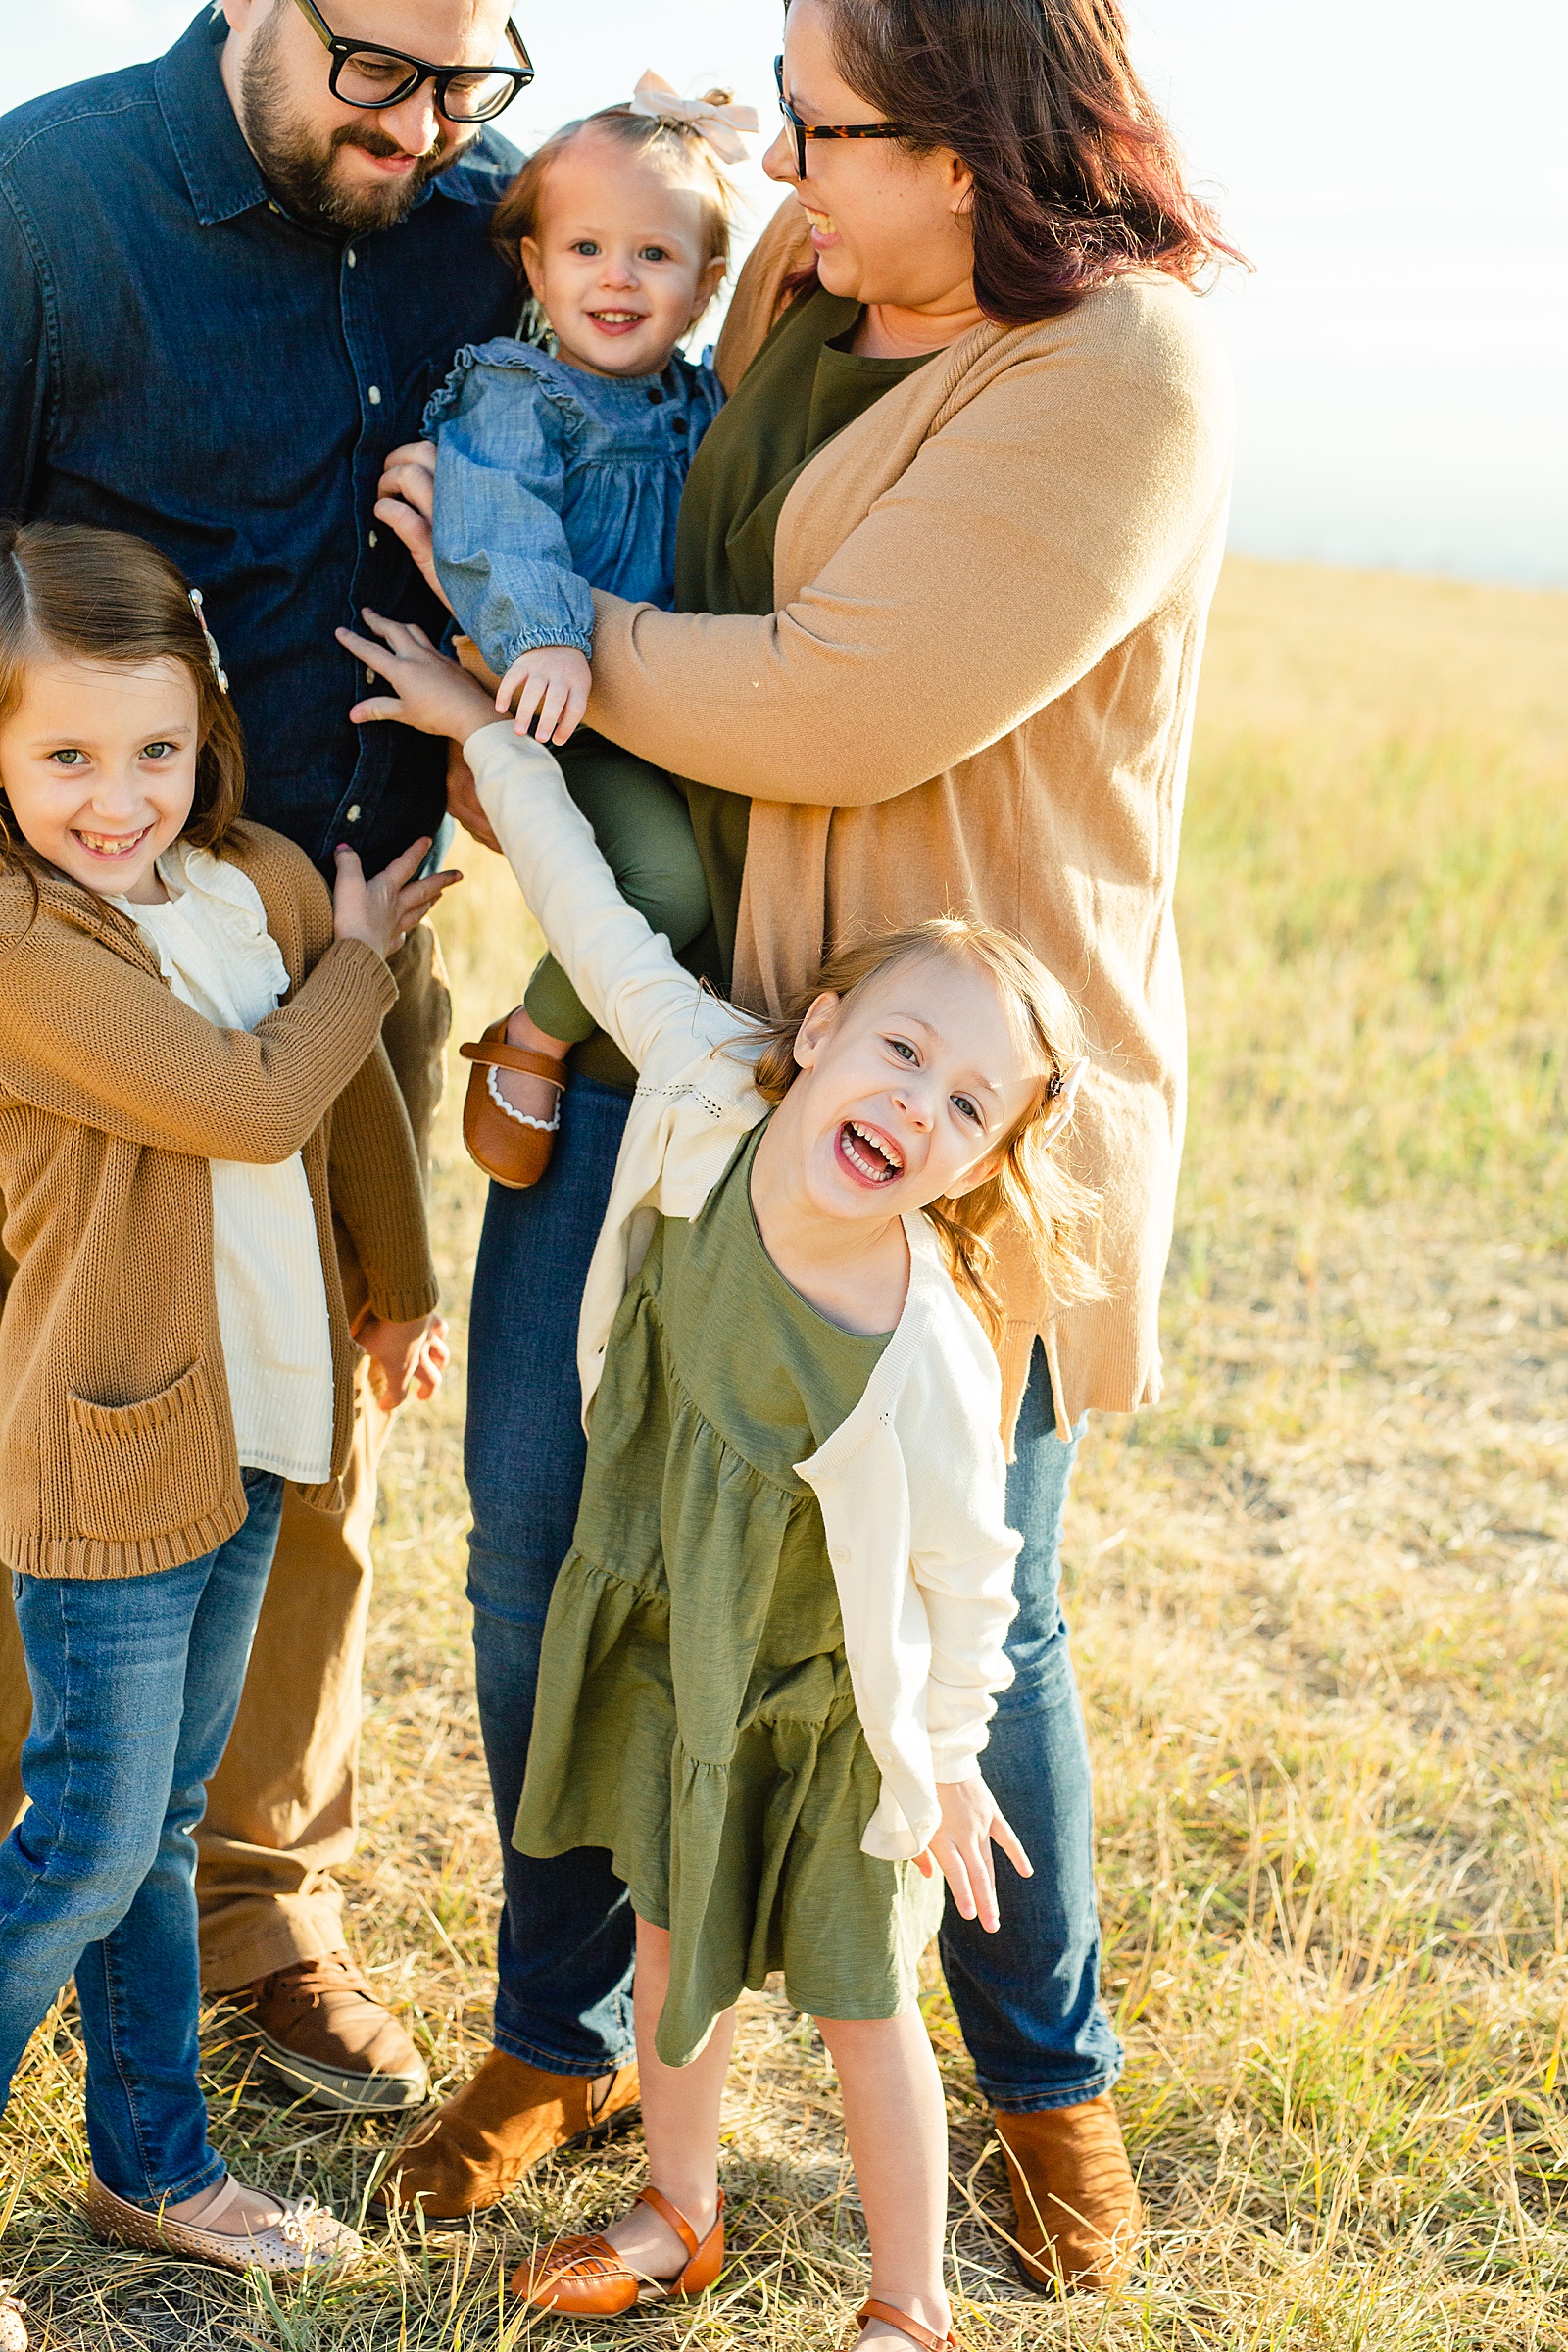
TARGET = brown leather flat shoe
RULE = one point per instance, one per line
(479, 2142)
(892, 2317)
(1079, 2212)
(592, 2280)
(512, 1148)
(304, 2239)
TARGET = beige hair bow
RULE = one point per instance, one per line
(718, 120)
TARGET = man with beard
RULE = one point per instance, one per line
(230, 281)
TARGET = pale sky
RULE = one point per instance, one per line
(1401, 354)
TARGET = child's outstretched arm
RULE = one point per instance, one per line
(623, 971)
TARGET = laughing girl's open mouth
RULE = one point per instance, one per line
(869, 1157)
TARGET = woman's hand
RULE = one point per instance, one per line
(385, 912)
(404, 1356)
(428, 692)
(404, 500)
(552, 679)
(972, 1824)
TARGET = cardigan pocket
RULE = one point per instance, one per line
(152, 1468)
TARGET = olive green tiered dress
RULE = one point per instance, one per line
(695, 1710)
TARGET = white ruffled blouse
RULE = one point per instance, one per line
(215, 950)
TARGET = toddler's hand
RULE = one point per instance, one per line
(553, 679)
(404, 500)
(404, 1356)
(385, 912)
(428, 692)
(971, 1822)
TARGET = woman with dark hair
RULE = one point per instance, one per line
(943, 564)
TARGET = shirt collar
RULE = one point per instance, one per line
(221, 171)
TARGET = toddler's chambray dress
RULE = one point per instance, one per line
(695, 1710)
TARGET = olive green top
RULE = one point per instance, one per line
(694, 1711)
(804, 387)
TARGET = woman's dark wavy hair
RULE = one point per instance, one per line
(87, 595)
(1077, 178)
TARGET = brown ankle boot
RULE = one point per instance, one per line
(1079, 2212)
(479, 2142)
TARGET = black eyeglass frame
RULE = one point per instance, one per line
(822, 130)
(420, 69)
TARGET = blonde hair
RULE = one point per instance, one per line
(104, 596)
(1057, 1215)
(520, 210)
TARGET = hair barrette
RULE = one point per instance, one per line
(213, 656)
(1062, 1092)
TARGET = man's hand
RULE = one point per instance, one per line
(552, 679)
(464, 802)
(404, 1356)
(972, 1824)
(428, 692)
(406, 502)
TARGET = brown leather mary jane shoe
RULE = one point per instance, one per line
(592, 2280)
(512, 1148)
(892, 2317)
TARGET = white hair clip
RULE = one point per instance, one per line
(1063, 1094)
(218, 672)
(713, 118)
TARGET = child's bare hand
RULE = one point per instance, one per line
(972, 1824)
(428, 692)
(385, 912)
(552, 679)
(404, 1356)
(404, 500)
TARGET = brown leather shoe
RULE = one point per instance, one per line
(511, 1147)
(592, 2280)
(324, 2033)
(479, 2142)
(1079, 2212)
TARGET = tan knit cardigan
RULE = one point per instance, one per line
(976, 694)
(116, 1438)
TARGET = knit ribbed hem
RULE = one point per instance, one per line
(405, 1307)
(28, 1553)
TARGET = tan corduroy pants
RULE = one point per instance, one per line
(281, 1810)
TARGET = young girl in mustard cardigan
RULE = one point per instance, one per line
(191, 1082)
(773, 1653)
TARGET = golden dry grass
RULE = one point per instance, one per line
(1320, 1600)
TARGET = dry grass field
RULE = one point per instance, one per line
(1321, 1599)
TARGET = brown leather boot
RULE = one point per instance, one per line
(479, 2142)
(1079, 2212)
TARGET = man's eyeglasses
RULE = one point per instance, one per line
(364, 74)
(821, 130)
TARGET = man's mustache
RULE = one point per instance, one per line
(376, 142)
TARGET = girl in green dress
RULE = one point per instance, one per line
(773, 1653)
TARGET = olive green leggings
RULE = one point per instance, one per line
(641, 823)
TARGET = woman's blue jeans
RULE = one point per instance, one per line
(135, 1681)
(1027, 1998)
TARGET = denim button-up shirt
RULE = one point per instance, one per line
(181, 360)
(550, 481)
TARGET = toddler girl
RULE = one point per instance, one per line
(173, 1346)
(557, 473)
(773, 1653)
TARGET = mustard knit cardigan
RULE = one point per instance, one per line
(976, 694)
(117, 1440)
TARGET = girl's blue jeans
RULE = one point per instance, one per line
(135, 1681)
(1027, 1998)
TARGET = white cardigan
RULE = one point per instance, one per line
(912, 1485)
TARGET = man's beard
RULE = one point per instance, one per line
(301, 167)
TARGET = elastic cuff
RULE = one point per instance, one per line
(551, 2062)
(529, 641)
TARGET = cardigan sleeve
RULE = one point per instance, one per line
(374, 1176)
(1029, 534)
(623, 970)
(134, 1061)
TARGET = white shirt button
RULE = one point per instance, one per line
(354, 815)
(376, 396)
(373, 539)
(351, 257)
